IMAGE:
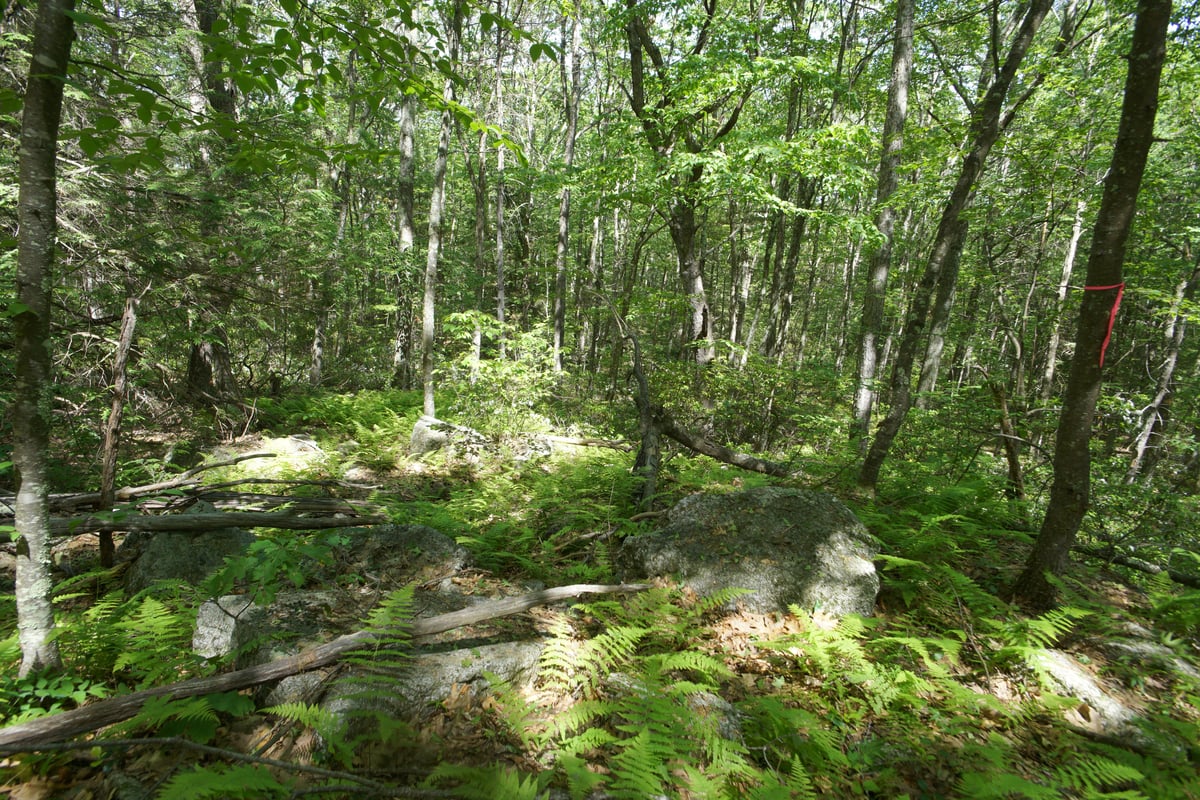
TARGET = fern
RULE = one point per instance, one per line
(195, 718)
(487, 783)
(1090, 773)
(380, 663)
(237, 781)
(1003, 786)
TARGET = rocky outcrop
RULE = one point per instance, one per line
(188, 557)
(430, 434)
(787, 546)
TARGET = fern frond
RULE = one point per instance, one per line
(641, 766)
(486, 783)
(219, 781)
(1092, 773)
(713, 669)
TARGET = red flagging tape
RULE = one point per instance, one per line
(1112, 315)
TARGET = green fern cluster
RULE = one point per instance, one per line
(647, 718)
(137, 641)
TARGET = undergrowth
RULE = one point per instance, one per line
(944, 694)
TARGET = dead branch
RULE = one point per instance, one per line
(256, 501)
(721, 453)
(204, 521)
(73, 501)
(613, 444)
(15, 738)
(1107, 554)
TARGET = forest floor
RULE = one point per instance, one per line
(945, 692)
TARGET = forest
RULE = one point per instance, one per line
(938, 260)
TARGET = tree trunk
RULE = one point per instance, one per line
(871, 330)
(37, 216)
(684, 229)
(437, 207)
(1070, 494)
(986, 127)
(571, 93)
(112, 426)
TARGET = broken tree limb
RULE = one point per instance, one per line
(721, 453)
(1106, 554)
(183, 479)
(612, 444)
(108, 712)
(204, 521)
(257, 501)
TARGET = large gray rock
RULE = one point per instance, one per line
(429, 679)
(430, 434)
(787, 546)
(188, 557)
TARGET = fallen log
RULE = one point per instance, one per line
(1106, 554)
(612, 444)
(26, 736)
(258, 501)
(721, 453)
(204, 521)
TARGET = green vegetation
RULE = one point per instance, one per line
(895, 252)
(939, 695)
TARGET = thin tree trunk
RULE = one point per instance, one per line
(501, 200)
(406, 235)
(1011, 444)
(437, 207)
(37, 216)
(1046, 384)
(112, 426)
(943, 304)
(571, 93)
(871, 330)
(1146, 448)
(1070, 493)
(986, 128)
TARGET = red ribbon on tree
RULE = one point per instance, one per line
(1112, 315)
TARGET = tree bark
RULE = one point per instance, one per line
(871, 329)
(1070, 493)
(210, 374)
(666, 423)
(203, 521)
(664, 138)
(37, 215)
(986, 127)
